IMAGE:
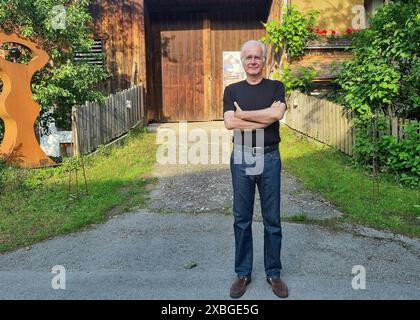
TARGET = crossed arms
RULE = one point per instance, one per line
(256, 119)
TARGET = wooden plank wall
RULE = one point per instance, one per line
(276, 10)
(94, 125)
(229, 30)
(186, 74)
(132, 44)
(153, 67)
(182, 63)
(120, 24)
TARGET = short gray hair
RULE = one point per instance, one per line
(253, 43)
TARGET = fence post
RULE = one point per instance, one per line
(142, 106)
(74, 131)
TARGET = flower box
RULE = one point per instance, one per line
(329, 43)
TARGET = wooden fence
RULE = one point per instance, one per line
(94, 124)
(328, 122)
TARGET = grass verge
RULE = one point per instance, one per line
(35, 204)
(349, 188)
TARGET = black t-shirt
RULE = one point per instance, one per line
(255, 97)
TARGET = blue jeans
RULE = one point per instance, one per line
(268, 182)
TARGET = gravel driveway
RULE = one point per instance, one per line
(182, 247)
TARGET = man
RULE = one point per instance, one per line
(249, 105)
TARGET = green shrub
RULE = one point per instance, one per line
(292, 33)
(403, 157)
(383, 77)
(398, 157)
(300, 79)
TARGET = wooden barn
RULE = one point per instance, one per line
(175, 48)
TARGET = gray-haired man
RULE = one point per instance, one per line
(255, 103)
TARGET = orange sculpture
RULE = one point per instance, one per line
(17, 108)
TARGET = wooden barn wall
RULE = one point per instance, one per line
(182, 63)
(153, 74)
(277, 8)
(132, 31)
(229, 30)
(185, 78)
(120, 25)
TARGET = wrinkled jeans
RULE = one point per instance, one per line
(268, 182)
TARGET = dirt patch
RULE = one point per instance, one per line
(208, 188)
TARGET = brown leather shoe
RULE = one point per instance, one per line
(279, 287)
(238, 287)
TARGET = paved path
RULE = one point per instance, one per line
(141, 255)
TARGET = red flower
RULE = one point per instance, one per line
(324, 32)
(333, 32)
(349, 30)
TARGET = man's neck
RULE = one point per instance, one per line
(253, 80)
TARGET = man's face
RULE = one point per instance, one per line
(252, 60)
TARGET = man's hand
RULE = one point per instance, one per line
(278, 109)
(276, 104)
(239, 111)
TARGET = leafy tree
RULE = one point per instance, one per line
(384, 75)
(383, 78)
(64, 82)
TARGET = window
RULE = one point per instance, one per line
(95, 56)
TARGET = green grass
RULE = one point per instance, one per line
(35, 204)
(349, 188)
(301, 217)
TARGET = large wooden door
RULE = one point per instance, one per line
(183, 66)
(188, 60)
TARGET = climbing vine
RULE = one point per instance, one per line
(288, 39)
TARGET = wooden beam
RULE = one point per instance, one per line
(209, 8)
(275, 10)
(207, 66)
(274, 15)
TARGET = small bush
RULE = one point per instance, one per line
(398, 157)
(300, 79)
